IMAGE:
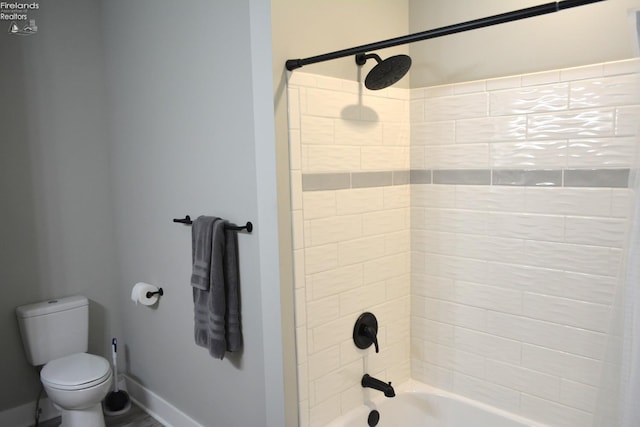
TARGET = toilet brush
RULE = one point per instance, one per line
(117, 401)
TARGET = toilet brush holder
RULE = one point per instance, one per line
(117, 401)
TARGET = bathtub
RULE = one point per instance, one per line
(419, 405)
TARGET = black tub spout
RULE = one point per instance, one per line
(386, 388)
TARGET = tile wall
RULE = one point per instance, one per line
(488, 217)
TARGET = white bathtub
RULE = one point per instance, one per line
(419, 405)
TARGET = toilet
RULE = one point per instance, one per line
(55, 334)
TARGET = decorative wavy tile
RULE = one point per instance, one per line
(573, 124)
(601, 152)
(354, 132)
(433, 133)
(507, 128)
(456, 107)
(618, 90)
(468, 156)
(529, 154)
(528, 100)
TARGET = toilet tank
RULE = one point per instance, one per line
(55, 328)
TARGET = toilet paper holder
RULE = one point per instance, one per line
(158, 292)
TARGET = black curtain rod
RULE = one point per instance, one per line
(502, 18)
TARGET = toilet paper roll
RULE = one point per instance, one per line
(139, 293)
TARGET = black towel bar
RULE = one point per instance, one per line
(187, 221)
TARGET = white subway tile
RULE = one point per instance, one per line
(317, 130)
(570, 257)
(443, 311)
(319, 204)
(621, 202)
(568, 201)
(297, 225)
(458, 268)
(416, 107)
(454, 359)
(553, 413)
(396, 134)
(330, 334)
(361, 299)
(384, 158)
(338, 381)
(610, 232)
(627, 120)
(468, 156)
(293, 104)
(618, 90)
(323, 413)
(357, 132)
(601, 152)
(523, 379)
(529, 154)
(526, 226)
(323, 362)
(564, 311)
(562, 364)
(456, 107)
(386, 268)
(433, 133)
(455, 220)
(486, 392)
(501, 83)
(531, 99)
(397, 243)
(428, 195)
(385, 221)
(295, 162)
(577, 341)
(330, 158)
(335, 229)
(626, 66)
(491, 129)
(571, 124)
(437, 332)
(332, 282)
(542, 78)
(580, 73)
(470, 87)
(360, 250)
(321, 258)
(488, 345)
(331, 103)
(359, 200)
(578, 395)
(429, 373)
(397, 196)
(321, 311)
(488, 297)
(298, 267)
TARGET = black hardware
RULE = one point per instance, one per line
(374, 418)
(187, 221)
(502, 18)
(159, 292)
(365, 331)
(374, 383)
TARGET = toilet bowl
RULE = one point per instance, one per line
(76, 385)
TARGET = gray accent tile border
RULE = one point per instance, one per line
(325, 181)
(527, 178)
(371, 179)
(419, 176)
(615, 178)
(602, 178)
(462, 176)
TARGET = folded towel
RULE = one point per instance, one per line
(216, 303)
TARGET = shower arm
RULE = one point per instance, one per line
(502, 18)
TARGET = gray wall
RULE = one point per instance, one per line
(56, 223)
(192, 132)
(583, 35)
(115, 119)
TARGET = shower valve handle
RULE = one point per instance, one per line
(372, 334)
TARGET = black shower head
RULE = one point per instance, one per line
(386, 72)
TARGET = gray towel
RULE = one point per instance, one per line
(216, 304)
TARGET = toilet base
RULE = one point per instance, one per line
(90, 417)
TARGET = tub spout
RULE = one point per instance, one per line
(369, 381)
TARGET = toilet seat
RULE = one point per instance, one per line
(75, 372)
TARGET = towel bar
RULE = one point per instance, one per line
(187, 221)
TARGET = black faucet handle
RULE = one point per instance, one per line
(372, 334)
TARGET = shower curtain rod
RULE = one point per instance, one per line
(502, 18)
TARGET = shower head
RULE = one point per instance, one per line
(386, 72)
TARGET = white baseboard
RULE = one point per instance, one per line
(157, 407)
(24, 415)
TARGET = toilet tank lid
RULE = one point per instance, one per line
(51, 306)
